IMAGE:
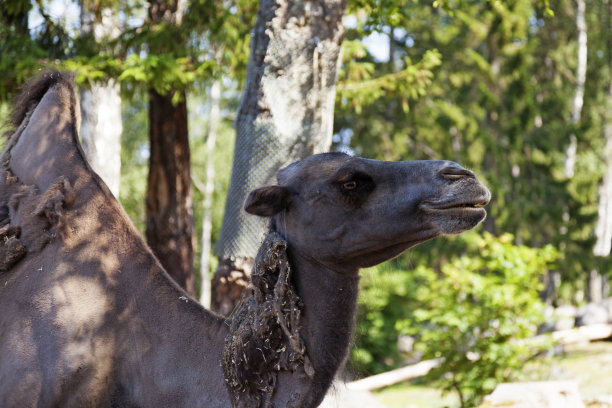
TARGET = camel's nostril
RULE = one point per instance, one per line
(454, 173)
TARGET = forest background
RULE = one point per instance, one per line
(520, 91)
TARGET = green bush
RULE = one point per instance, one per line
(387, 294)
(477, 312)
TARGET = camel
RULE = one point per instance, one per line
(90, 318)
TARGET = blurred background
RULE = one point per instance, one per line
(520, 91)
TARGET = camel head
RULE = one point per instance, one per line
(351, 212)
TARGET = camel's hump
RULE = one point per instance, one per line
(45, 145)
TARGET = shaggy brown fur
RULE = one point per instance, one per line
(24, 201)
(11, 249)
(264, 333)
(45, 212)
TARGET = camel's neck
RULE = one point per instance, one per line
(171, 343)
(330, 302)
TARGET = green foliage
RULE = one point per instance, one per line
(223, 154)
(387, 295)
(472, 282)
(134, 159)
(211, 40)
(498, 101)
(478, 312)
(357, 85)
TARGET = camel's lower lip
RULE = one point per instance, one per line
(458, 211)
(461, 206)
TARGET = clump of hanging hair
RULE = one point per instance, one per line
(264, 330)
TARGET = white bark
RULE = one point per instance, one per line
(213, 121)
(101, 124)
(598, 284)
(286, 111)
(101, 129)
(603, 227)
(577, 102)
(285, 114)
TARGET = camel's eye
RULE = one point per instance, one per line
(354, 187)
(350, 185)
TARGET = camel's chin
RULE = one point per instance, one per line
(381, 255)
(455, 220)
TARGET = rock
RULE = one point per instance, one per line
(607, 304)
(561, 318)
(565, 317)
(545, 394)
(590, 314)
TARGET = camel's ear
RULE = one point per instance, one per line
(267, 201)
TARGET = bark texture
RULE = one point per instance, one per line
(286, 112)
(169, 202)
(169, 207)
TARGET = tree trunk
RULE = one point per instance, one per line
(101, 129)
(577, 102)
(603, 226)
(169, 211)
(101, 125)
(213, 121)
(286, 113)
(169, 204)
(598, 285)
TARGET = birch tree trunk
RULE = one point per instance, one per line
(603, 227)
(101, 125)
(598, 286)
(286, 113)
(213, 121)
(554, 278)
(577, 102)
(169, 206)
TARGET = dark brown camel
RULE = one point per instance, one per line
(90, 318)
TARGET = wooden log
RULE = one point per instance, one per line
(583, 334)
(394, 376)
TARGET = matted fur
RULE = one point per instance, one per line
(264, 333)
(24, 201)
(11, 248)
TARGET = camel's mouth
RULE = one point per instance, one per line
(476, 204)
(457, 214)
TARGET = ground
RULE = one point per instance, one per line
(589, 364)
